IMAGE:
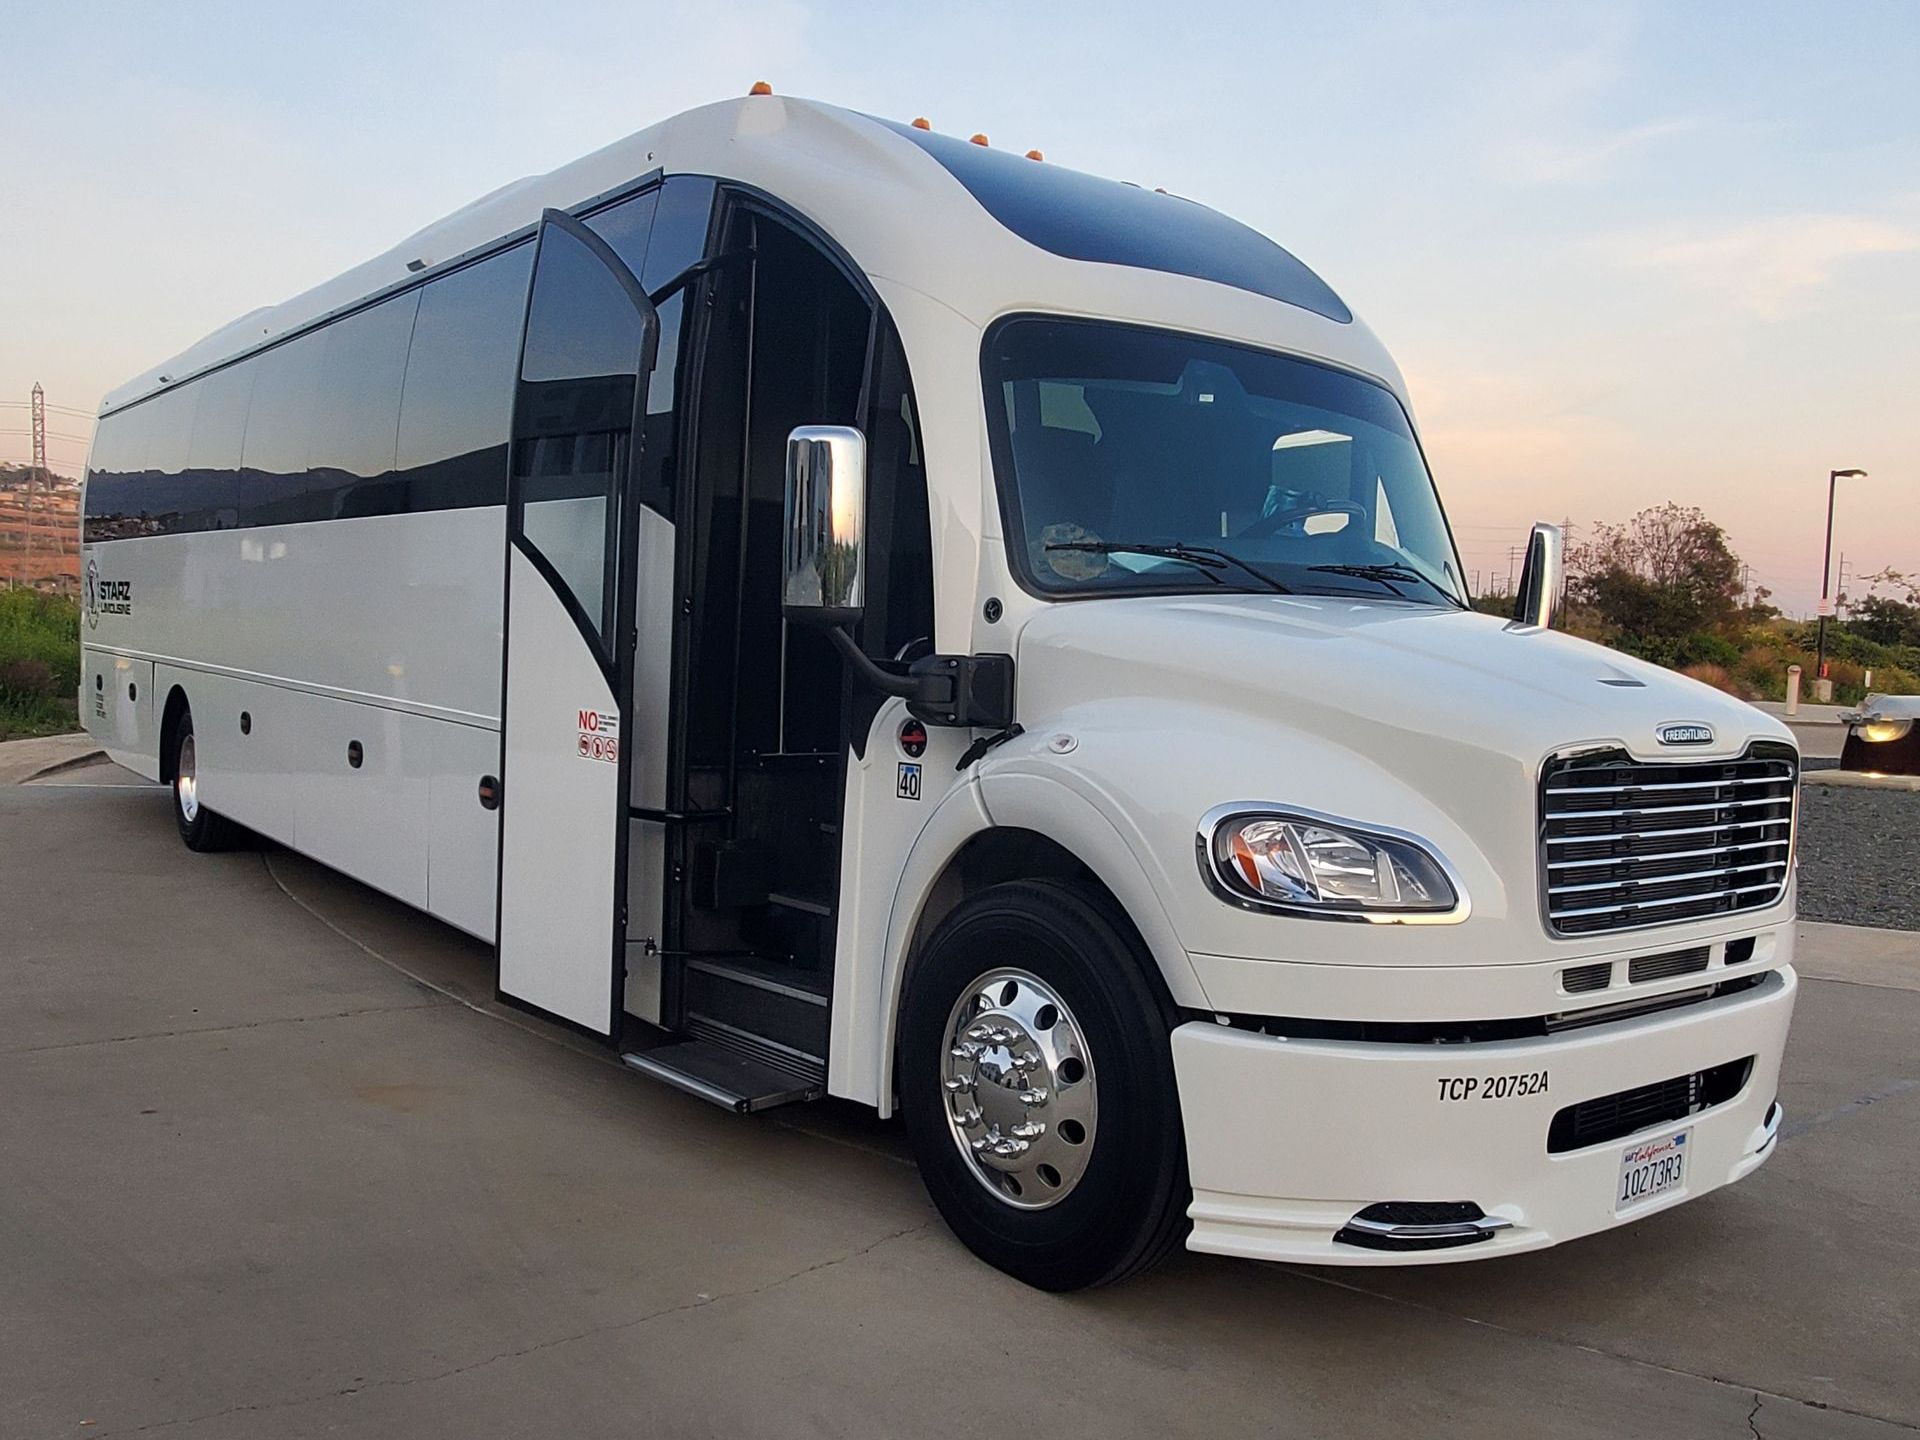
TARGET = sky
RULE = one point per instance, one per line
(1623, 253)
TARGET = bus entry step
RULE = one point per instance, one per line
(725, 1077)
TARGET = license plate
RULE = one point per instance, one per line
(1650, 1168)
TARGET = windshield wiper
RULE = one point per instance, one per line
(1384, 575)
(1204, 558)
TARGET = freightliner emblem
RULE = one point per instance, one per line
(1685, 734)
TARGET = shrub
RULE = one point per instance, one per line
(39, 663)
(23, 681)
(1716, 676)
(1704, 648)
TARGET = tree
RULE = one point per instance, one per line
(1665, 574)
(1884, 619)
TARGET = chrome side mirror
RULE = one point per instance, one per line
(824, 548)
(1540, 578)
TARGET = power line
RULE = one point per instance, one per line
(56, 409)
(49, 434)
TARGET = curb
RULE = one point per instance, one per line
(73, 763)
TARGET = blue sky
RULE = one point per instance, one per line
(1624, 253)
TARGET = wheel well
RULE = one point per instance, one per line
(169, 719)
(991, 858)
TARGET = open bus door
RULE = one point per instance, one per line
(587, 349)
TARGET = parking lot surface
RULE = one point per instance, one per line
(272, 1163)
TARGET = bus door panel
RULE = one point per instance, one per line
(566, 714)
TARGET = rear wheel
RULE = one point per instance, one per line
(1036, 1082)
(199, 827)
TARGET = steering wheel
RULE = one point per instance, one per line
(1267, 524)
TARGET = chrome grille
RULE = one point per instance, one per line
(1626, 844)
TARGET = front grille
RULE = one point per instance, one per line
(1579, 979)
(1643, 968)
(1422, 1212)
(1594, 1122)
(1625, 844)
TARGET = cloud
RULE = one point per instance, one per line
(1762, 266)
(1541, 161)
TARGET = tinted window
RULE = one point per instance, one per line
(679, 229)
(286, 390)
(679, 239)
(1112, 442)
(574, 417)
(219, 424)
(626, 226)
(113, 484)
(1083, 217)
(357, 414)
(458, 403)
(166, 489)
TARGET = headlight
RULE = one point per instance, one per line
(1318, 865)
(1878, 729)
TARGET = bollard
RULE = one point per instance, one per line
(1793, 689)
(1823, 690)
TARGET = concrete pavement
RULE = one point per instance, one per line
(274, 1164)
(21, 760)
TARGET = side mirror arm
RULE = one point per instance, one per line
(965, 691)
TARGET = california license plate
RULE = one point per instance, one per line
(1650, 1168)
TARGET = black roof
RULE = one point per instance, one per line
(1084, 217)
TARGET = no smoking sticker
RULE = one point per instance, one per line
(599, 736)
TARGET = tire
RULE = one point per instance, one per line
(199, 827)
(1125, 1206)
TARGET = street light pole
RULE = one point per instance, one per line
(1826, 573)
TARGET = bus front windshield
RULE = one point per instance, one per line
(1145, 461)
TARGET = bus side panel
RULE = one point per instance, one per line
(359, 777)
(117, 708)
(463, 844)
(245, 733)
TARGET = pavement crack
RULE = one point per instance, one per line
(616, 1327)
(1753, 1417)
(219, 1029)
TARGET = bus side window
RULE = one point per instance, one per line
(357, 413)
(458, 405)
(286, 393)
(679, 239)
(114, 483)
(899, 541)
(166, 490)
(214, 456)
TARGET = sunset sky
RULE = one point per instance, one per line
(1624, 253)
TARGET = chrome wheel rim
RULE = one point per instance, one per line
(186, 781)
(1019, 1086)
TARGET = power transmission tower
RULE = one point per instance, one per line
(37, 476)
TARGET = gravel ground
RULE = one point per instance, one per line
(1859, 855)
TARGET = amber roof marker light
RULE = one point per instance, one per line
(760, 87)
(979, 139)
(920, 122)
(1035, 155)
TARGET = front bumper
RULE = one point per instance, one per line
(1288, 1139)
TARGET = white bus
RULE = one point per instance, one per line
(848, 611)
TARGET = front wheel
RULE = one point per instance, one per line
(1036, 1082)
